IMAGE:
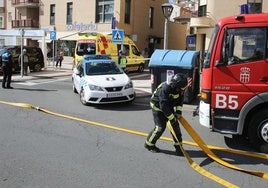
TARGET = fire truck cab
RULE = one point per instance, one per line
(234, 83)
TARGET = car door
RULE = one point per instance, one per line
(77, 75)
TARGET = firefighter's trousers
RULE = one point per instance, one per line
(160, 121)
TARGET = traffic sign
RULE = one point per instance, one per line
(53, 35)
(117, 35)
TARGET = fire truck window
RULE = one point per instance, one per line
(248, 44)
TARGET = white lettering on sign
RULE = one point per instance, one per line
(229, 101)
(82, 27)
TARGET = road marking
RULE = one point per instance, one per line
(188, 128)
(41, 81)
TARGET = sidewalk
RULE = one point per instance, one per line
(48, 71)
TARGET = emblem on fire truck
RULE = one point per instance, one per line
(244, 75)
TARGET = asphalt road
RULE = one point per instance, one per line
(39, 149)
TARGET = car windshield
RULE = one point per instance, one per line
(103, 68)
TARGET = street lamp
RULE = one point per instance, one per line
(167, 9)
(22, 32)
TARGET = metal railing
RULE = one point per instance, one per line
(25, 23)
(23, 2)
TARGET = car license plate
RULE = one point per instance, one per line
(114, 94)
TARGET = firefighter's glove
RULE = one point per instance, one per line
(174, 122)
(177, 115)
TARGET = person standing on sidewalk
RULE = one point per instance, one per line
(166, 103)
(59, 58)
(25, 61)
(7, 69)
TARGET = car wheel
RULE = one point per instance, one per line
(141, 68)
(37, 67)
(258, 131)
(74, 89)
(82, 97)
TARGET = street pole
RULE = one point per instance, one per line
(167, 9)
(21, 52)
(166, 34)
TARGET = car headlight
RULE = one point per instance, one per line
(94, 87)
(129, 85)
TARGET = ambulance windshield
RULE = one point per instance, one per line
(86, 48)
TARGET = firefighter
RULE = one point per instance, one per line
(166, 103)
(7, 68)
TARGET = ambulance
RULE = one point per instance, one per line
(97, 43)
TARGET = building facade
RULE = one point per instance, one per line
(142, 21)
(205, 14)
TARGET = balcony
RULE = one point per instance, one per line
(25, 3)
(28, 23)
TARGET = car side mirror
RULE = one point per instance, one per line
(77, 72)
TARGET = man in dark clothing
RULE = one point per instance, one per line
(7, 69)
(166, 103)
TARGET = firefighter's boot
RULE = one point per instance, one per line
(151, 148)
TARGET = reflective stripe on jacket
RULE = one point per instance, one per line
(167, 100)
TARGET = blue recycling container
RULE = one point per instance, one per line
(164, 64)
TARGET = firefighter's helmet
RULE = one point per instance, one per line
(179, 81)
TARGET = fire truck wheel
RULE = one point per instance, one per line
(258, 131)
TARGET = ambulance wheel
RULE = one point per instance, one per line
(141, 68)
(258, 131)
(82, 97)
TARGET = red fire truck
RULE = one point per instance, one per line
(234, 88)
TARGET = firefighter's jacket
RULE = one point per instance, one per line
(167, 100)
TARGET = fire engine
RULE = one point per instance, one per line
(234, 81)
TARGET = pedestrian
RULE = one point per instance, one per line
(25, 60)
(122, 60)
(7, 68)
(166, 103)
(59, 58)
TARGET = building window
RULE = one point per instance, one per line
(1, 22)
(202, 8)
(52, 14)
(127, 11)
(255, 6)
(151, 17)
(104, 11)
(69, 18)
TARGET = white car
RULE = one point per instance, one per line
(100, 80)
